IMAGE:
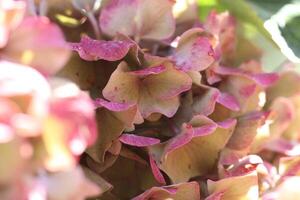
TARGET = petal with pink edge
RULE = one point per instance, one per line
(198, 153)
(91, 50)
(237, 187)
(180, 191)
(122, 86)
(138, 141)
(194, 51)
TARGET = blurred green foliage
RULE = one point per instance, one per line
(283, 15)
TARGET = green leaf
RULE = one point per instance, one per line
(266, 8)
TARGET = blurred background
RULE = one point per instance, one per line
(272, 25)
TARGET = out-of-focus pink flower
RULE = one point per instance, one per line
(44, 126)
(70, 126)
(39, 43)
(147, 19)
(12, 13)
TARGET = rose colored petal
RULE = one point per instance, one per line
(149, 71)
(197, 154)
(289, 166)
(70, 184)
(148, 105)
(91, 50)
(14, 165)
(188, 190)
(216, 196)
(142, 19)
(154, 93)
(204, 130)
(246, 130)
(12, 13)
(196, 77)
(75, 108)
(26, 125)
(229, 156)
(169, 83)
(211, 76)
(249, 94)
(243, 166)
(185, 12)
(194, 51)
(286, 86)
(127, 153)
(35, 41)
(229, 101)
(227, 123)
(118, 16)
(6, 133)
(138, 141)
(263, 79)
(95, 178)
(122, 87)
(156, 172)
(70, 126)
(182, 139)
(287, 190)
(17, 79)
(141, 178)
(204, 100)
(266, 79)
(283, 146)
(111, 126)
(283, 116)
(112, 106)
(223, 27)
(29, 87)
(238, 187)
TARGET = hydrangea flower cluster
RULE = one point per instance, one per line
(137, 99)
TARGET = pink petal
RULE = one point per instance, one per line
(194, 51)
(215, 196)
(112, 106)
(181, 139)
(284, 146)
(156, 171)
(227, 123)
(204, 130)
(6, 133)
(149, 71)
(266, 79)
(263, 79)
(229, 101)
(244, 166)
(39, 43)
(12, 13)
(188, 191)
(151, 19)
(204, 101)
(246, 130)
(138, 141)
(91, 50)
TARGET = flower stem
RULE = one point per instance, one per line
(94, 24)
